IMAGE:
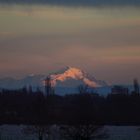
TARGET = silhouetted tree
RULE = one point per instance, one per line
(30, 90)
(83, 88)
(40, 130)
(83, 132)
(49, 89)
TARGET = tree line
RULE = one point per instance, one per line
(33, 107)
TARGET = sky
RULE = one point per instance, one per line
(102, 39)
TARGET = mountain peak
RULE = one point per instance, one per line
(76, 74)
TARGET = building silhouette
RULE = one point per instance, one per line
(119, 90)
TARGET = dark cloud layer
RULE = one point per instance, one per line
(77, 2)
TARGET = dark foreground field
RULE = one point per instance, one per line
(16, 132)
(81, 116)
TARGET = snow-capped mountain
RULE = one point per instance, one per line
(76, 76)
(65, 80)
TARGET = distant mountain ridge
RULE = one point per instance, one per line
(67, 76)
(65, 81)
(12, 83)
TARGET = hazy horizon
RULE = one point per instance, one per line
(39, 39)
(76, 2)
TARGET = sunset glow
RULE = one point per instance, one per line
(41, 39)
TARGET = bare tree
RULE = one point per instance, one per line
(83, 88)
(83, 132)
(40, 130)
(49, 89)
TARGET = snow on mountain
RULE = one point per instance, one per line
(78, 75)
(65, 81)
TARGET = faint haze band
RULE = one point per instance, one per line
(77, 2)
